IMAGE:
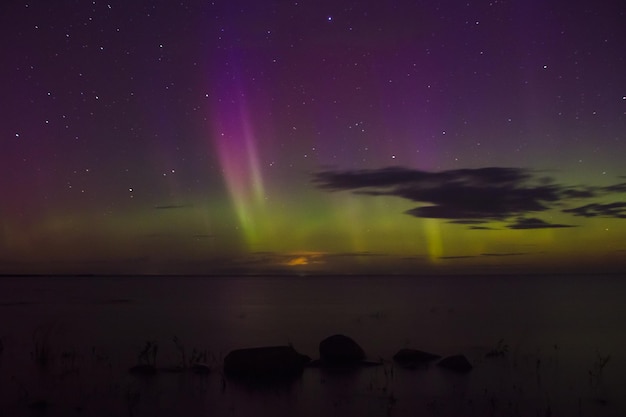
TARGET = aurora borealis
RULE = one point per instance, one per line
(199, 137)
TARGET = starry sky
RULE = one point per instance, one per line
(312, 137)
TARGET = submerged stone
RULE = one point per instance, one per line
(411, 358)
(457, 363)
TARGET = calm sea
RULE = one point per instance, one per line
(556, 330)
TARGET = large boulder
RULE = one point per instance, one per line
(412, 358)
(457, 363)
(340, 350)
(265, 362)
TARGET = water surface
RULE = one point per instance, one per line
(555, 328)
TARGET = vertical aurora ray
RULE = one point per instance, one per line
(236, 144)
(434, 243)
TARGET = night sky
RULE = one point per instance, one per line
(310, 137)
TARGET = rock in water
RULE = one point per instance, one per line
(411, 358)
(143, 369)
(265, 362)
(340, 350)
(457, 363)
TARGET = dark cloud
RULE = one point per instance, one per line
(534, 223)
(465, 194)
(457, 257)
(616, 210)
(468, 222)
(473, 196)
(583, 192)
(392, 176)
(616, 188)
(473, 224)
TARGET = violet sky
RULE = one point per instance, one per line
(214, 137)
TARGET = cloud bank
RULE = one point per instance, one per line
(476, 196)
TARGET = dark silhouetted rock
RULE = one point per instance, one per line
(457, 363)
(411, 358)
(143, 369)
(265, 362)
(340, 350)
